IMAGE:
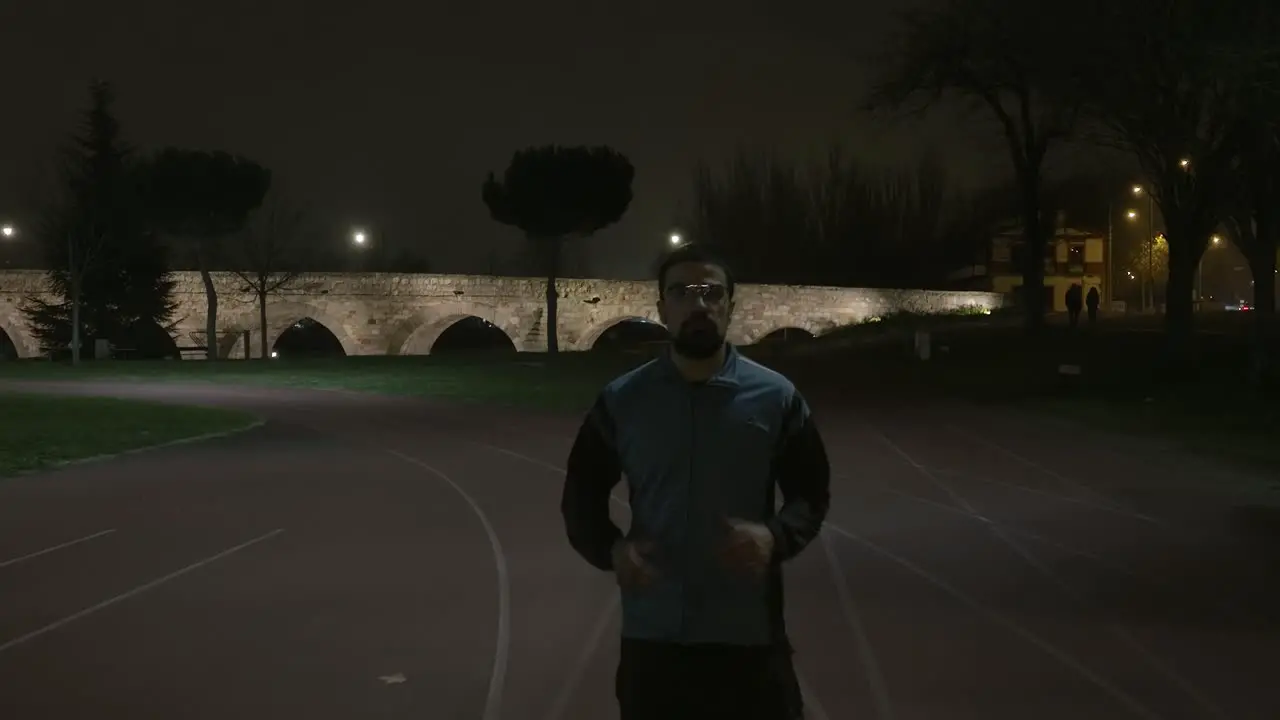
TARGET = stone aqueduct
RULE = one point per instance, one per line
(390, 314)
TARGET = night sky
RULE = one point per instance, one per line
(388, 115)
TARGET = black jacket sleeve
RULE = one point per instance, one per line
(593, 470)
(803, 473)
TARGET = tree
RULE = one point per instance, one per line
(553, 192)
(205, 197)
(1148, 265)
(1162, 81)
(840, 221)
(992, 54)
(268, 254)
(1251, 221)
(108, 272)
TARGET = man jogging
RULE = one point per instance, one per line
(703, 436)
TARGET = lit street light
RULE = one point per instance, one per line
(1216, 240)
(1132, 214)
(675, 238)
(8, 230)
(359, 237)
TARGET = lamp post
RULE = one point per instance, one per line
(1214, 242)
(675, 239)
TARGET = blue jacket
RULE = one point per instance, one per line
(693, 455)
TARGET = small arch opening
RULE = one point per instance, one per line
(145, 340)
(8, 348)
(631, 335)
(786, 335)
(307, 338)
(472, 334)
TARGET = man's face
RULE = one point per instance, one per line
(695, 306)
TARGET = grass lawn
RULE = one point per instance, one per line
(38, 431)
(1210, 409)
(525, 380)
(1122, 386)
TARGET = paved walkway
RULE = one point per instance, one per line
(364, 557)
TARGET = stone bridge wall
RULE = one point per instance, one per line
(389, 314)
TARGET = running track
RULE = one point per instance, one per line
(367, 557)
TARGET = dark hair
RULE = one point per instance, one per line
(693, 253)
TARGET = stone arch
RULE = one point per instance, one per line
(786, 330)
(587, 339)
(756, 334)
(417, 335)
(280, 317)
(22, 342)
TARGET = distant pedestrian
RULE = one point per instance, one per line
(703, 436)
(1091, 302)
(1074, 297)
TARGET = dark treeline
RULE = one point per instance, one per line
(837, 222)
(1189, 89)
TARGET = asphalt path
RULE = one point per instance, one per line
(370, 557)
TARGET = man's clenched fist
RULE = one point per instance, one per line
(747, 546)
(630, 565)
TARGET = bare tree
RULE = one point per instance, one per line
(268, 252)
(838, 221)
(993, 53)
(1165, 79)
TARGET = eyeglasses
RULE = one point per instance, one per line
(711, 294)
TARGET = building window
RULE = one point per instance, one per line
(1018, 257)
(1075, 259)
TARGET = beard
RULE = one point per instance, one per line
(698, 339)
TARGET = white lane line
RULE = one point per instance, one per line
(55, 548)
(560, 707)
(1120, 632)
(540, 463)
(1005, 622)
(1105, 507)
(1026, 534)
(992, 615)
(867, 653)
(1067, 589)
(136, 591)
(813, 709)
(502, 651)
(1098, 497)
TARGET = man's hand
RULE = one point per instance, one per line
(747, 546)
(630, 565)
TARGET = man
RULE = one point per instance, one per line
(1091, 302)
(1074, 300)
(703, 435)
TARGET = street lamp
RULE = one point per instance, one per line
(8, 230)
(1214, 241)
(359, 237)
(675, 238)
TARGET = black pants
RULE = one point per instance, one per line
(662, 681)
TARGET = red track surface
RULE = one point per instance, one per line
(407, 560)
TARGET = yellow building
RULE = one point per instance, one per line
(1073, 257)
